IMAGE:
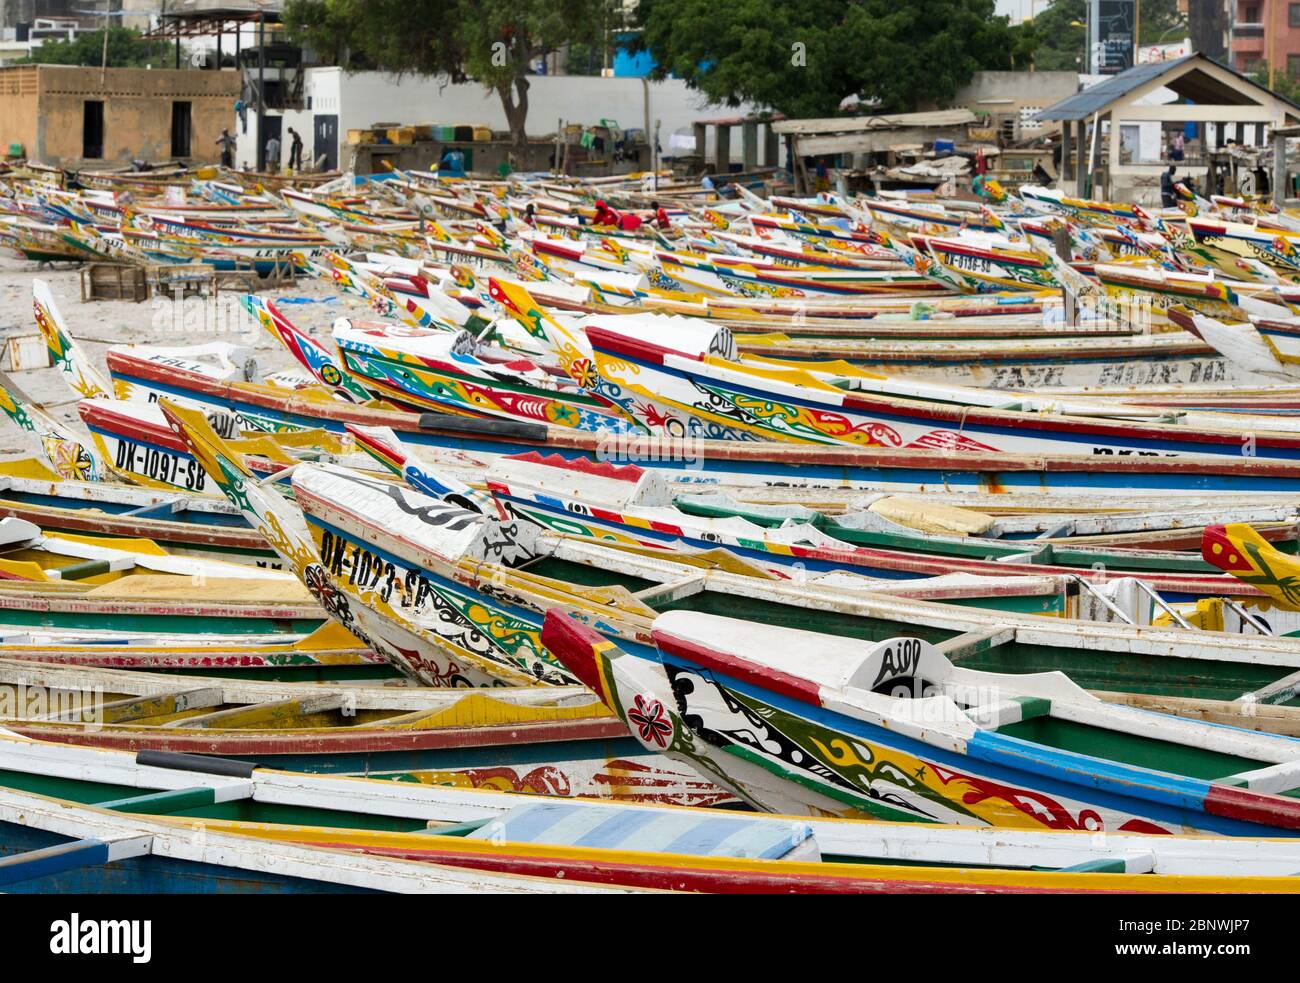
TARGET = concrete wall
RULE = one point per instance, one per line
(137, 112)
(1018, 94)
(365, 98)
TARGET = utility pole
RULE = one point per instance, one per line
(261, 87)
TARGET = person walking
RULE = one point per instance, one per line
(273, 155)
(452, 163)
(227, 144)
(1168, 197)
(295, 150)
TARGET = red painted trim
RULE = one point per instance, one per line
(1242, 804)
(789, 455)
(583, 465)
(99, 413)
(692, 879)
(92, 522)
(574, 644)
(339, 740)
(606, 340)
(782, 683)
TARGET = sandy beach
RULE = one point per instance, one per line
(310, 304)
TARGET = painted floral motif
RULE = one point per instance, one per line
(650, 720)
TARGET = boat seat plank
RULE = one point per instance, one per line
(1129, 863)
(1010, 711)
(975, 642)
(1274, 779)
(1279, 691)
(674, 591)
(69, 856)
(612, 827)
(145, 707)
(276, 713)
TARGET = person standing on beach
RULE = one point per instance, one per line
(273, 155)
(227, 144)
(295, 150)
(1168, 197)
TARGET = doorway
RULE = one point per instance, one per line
(92, 130)
(181, 132)
(325, 143)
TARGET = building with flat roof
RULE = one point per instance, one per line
(85, 117)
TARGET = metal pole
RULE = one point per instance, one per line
(1279, 168)
(261, 87)
(654, 155)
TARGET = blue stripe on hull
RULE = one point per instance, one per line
(712, 470)
(150, 875)
(1097, 788)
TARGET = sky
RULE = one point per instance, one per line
(1018, 10)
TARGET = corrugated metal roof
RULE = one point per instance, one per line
(1082, 105)
(858, 124)
(215, 8)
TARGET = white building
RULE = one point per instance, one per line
(334, 102)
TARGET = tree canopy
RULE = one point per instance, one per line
(802, 57)
(493, 42)
(126, 49)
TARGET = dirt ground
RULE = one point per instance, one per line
(310, 304)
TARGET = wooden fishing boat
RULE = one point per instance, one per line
(634, 505)
(459, 609)
(824, 725)
(168, 604)
(553, 742)
(639, 845)
(328, 653)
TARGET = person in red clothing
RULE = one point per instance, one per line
(606, 215)
(629, 222)
(661, 216)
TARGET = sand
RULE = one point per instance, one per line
(157, 320)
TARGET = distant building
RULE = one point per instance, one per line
(1010, 102)
(1116, 135)
(85, 117)
(1266, 33)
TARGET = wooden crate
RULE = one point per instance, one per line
(113, 281)
(182, 279)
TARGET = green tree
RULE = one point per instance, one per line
(802, 57)
(492, 42)
(126, 49)
(1284, 84)
(1059, 36)
(1059, 45)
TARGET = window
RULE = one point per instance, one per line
(1293, 14)
(1250, 15)
(1293, 65)
(92, 130)
(180, 129)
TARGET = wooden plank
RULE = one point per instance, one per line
(277, 713)
(675, 591)
(143, 707)
(1280, 720)
(68, 856)
(875, 141)
(973, 642)
(941, 117)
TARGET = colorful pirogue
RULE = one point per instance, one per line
(972, 519)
